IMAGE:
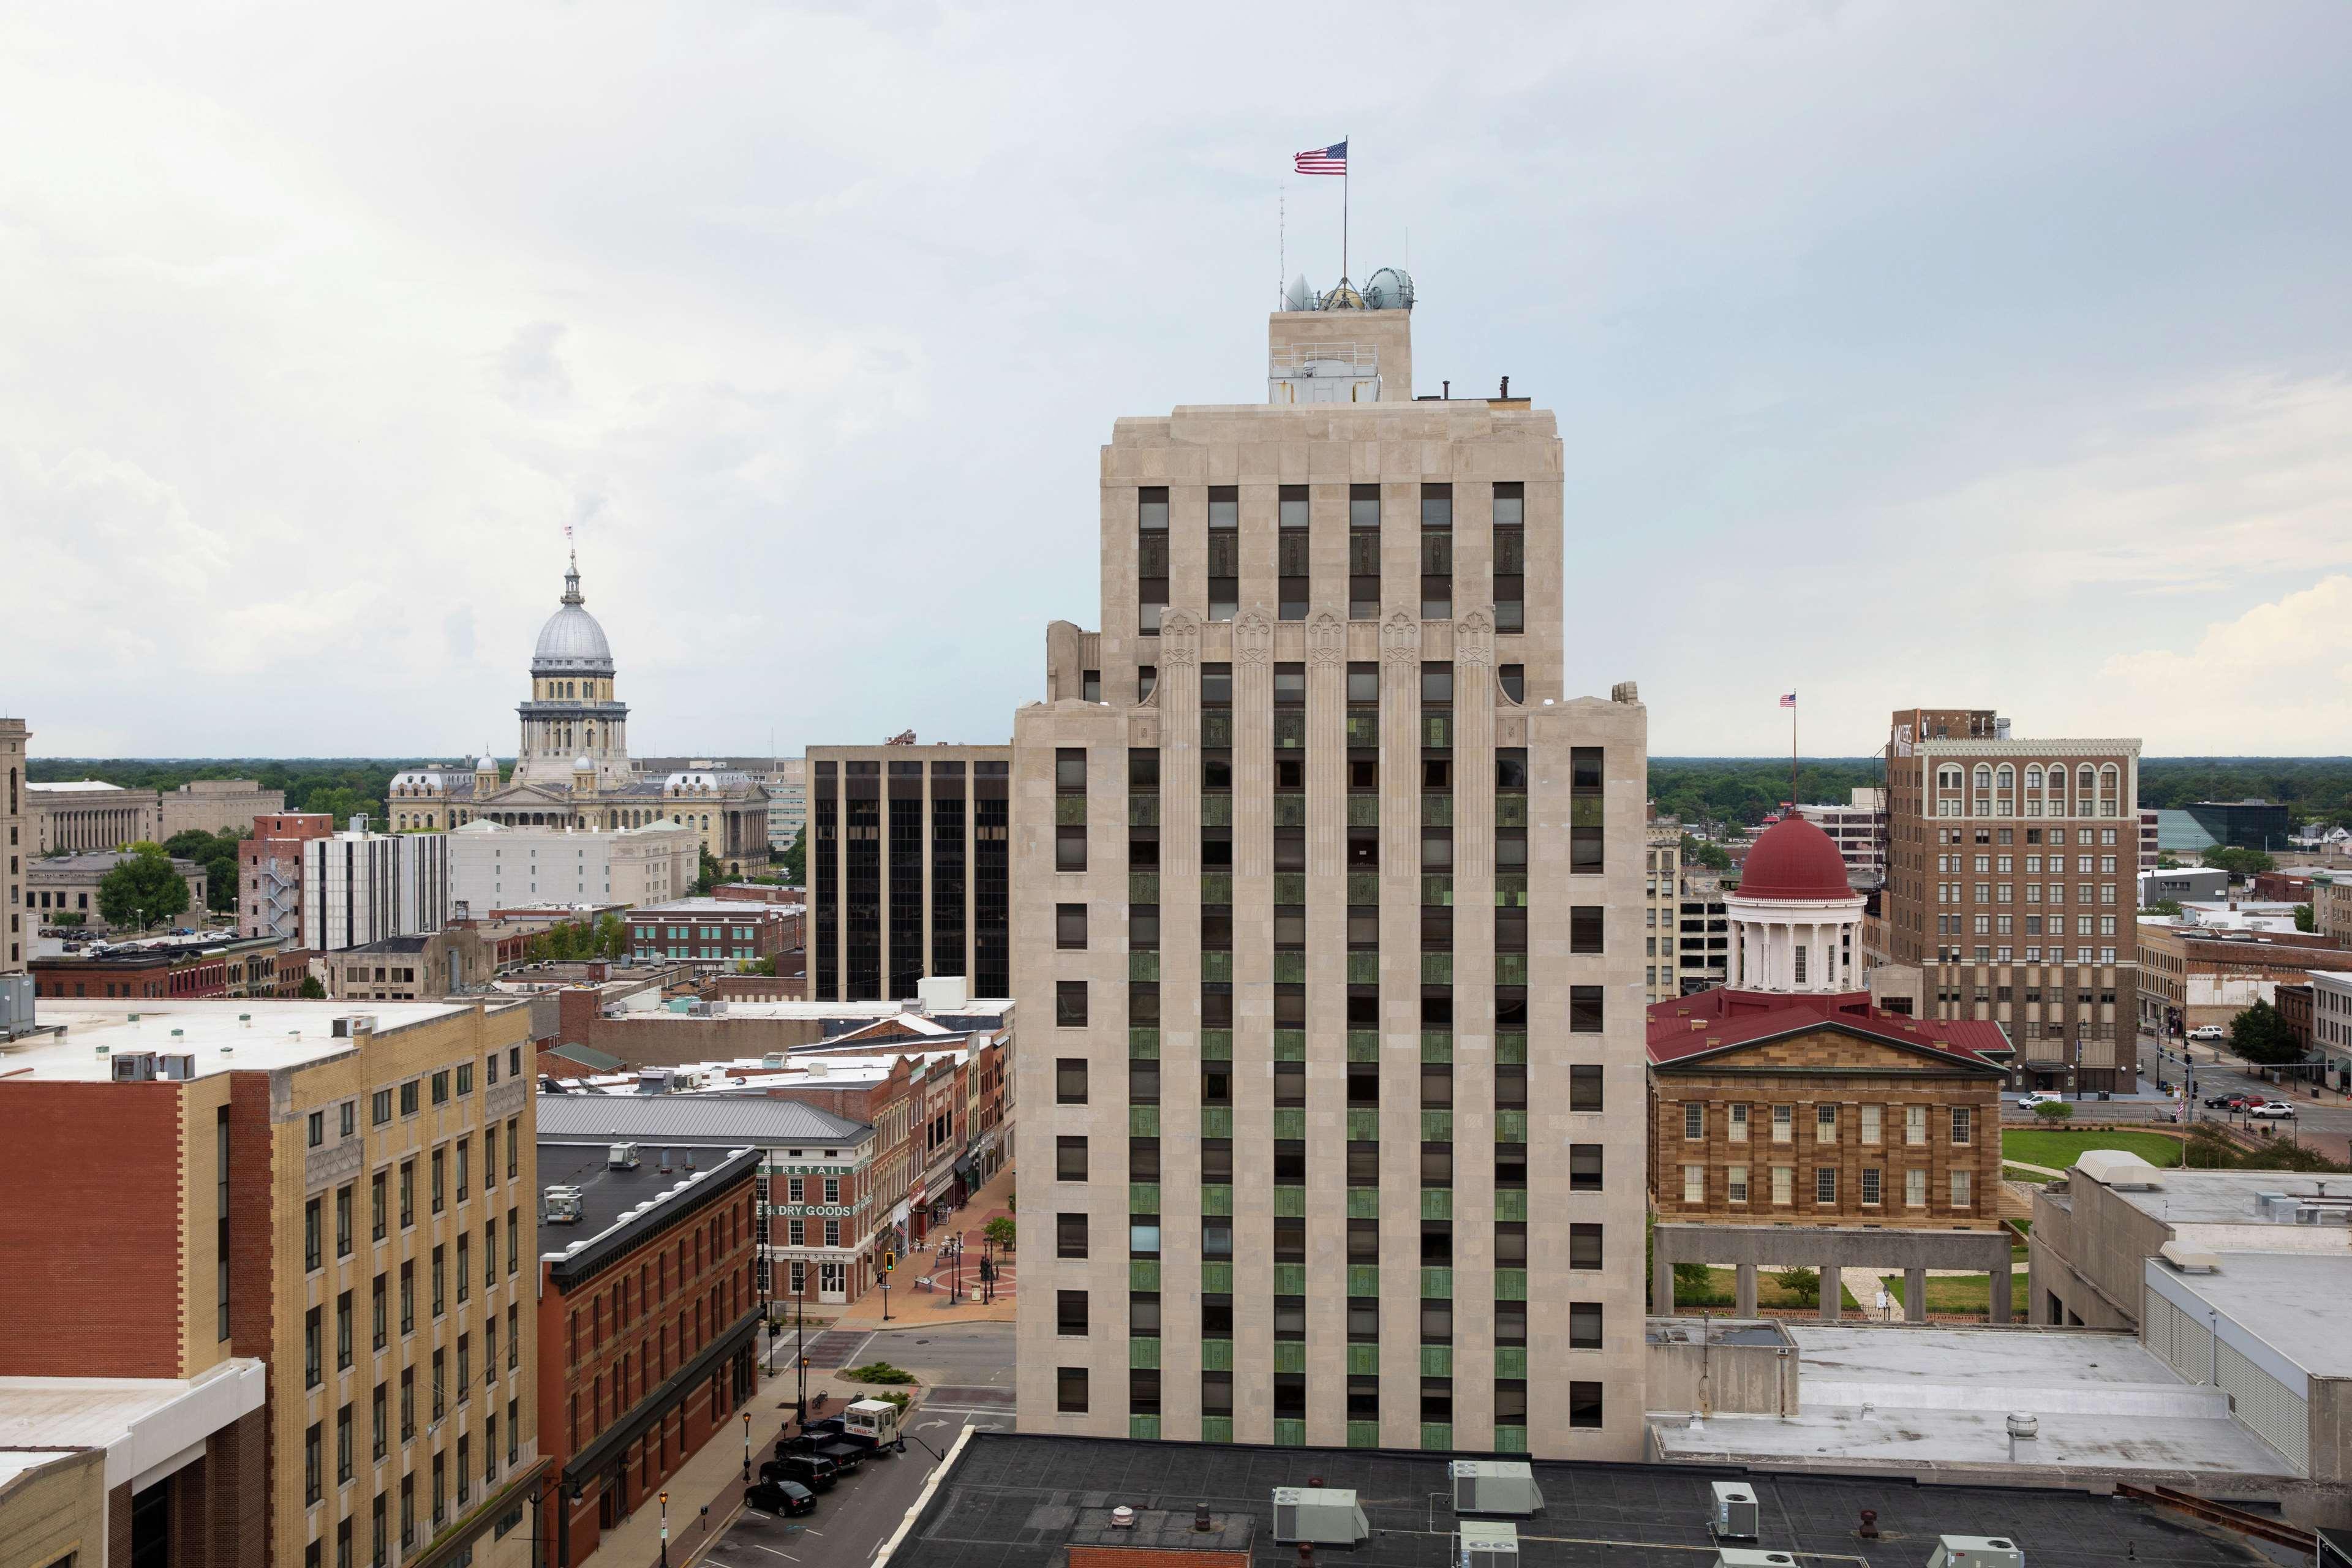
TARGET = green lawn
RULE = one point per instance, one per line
(1963, 1293)
(2037, 1146)
(1723, 1285)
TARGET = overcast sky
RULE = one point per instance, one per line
(1903, 354)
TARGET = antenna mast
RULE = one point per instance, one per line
(1281, 244)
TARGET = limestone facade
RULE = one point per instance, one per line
(14, 827)
(1328, 935)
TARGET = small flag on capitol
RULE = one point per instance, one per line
(1790, 701)
(1331, 160)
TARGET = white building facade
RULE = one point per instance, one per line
(359, 887)
(495, 867)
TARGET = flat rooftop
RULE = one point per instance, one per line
(704, 1120)
(607, 1194)
(224, 1034)
(2180, 1196)
(1919, 1400)
(2291, 1301)
(1015, 1499)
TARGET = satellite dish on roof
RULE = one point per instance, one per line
(1298, 296)
(1390, 288)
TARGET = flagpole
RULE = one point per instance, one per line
(1349, 142)
(1792, 758)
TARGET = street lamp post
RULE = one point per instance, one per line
(746, 1447)
(664, 1529)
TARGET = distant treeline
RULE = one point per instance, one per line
(337, 784)
(1698, 789)
(1744, 789)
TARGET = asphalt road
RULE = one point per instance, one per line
(967, 1373)
(2325, 1122)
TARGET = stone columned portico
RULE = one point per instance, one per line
(1830, 1249)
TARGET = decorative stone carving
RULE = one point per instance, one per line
(1253, 638)
(1474, 639)
(1327, 639)
(1400, 639)
(1510, 729)
(1180, 639)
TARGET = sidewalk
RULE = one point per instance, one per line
(712, 1478)
(913, 1306)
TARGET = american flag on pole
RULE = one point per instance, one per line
(1790, 701)
(1331, 160)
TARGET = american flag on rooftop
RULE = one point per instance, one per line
(1331, 160)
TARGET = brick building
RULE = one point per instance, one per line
(710, 932)
(1792, 1122)
(269, 872)
(16, 828)
(62, 890)
(2281, 888)
(187, 969)
(348, 1203)
(648, 1317)
(411, 968)
(2011, 889)
(2190, 976)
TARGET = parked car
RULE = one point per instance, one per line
(847, 1457)
(2028, 1102)
(2222, 1102)
(2271, 1107)
(785, 1498)
(2209, 1032)
(814, 1471)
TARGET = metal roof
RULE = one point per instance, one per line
(703, 1120)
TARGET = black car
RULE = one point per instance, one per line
(783, 1497)
(826, 1427)
(847, 1456)
(814, 1471)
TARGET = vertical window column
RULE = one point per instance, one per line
(950, 878)
(862, 898)
(992, 900)
(1224, 552)
(1510, 558)
(1293, 579)
(1363, 553)
(905, 877)
(1150, 557)
(1437, 552)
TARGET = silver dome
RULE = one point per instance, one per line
(571, 642)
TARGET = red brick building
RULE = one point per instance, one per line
(648, 1328)
(710, 932)
(176, 971)
(2281, 887)
(269, 872)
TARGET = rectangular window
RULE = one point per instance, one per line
(1291, 569)
(1915, 1125)
(1224, 552)
(1735, 1183)
(1694, 1121)
(1584, 1325)
(1584, 1247)
(312, 1246)
(1963, 1124)
(1070, 1159)
(1584, 1167)
(1915, 1188)
(1069, 1235)
(1870, 1125)
(1584, 1404)
(1784, 1184)
(1826, 1184)
(1437, 552)
(1784, 1123)
(1962, 1190)
(1070, 1390)
(1583, 1086)
(1363, 553)
(1869, 1175)
(1584, 1010)
(1738, 1121)
(1151, 557)
(1070, 1080)
(1070, 1313)
(1070, 927)
(1695, 1186)
(1070, 1004)
(1510, 558)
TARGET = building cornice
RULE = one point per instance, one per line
(2101, 747)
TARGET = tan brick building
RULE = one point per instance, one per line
(2192, 976)
(353, 1206)
(1327, 937)
(2011, 889)
(15, 827)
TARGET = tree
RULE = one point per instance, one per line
(2260, 1036)
(145, 888)
(2239, 863)
(2165, 862)
(1710, 856)
(1803, 1285)
(311, 990)
(713, 873)
(2166, 907)
(2054, 1111)
(795, 861)
(189, 843)
(1693, 1281)
(611, 937)
(1000, 1231)
(2305, 920)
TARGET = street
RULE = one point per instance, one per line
(966, 1373)
(2325, 1124)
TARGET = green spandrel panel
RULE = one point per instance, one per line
(1437, 1127)
(1438, 1360)
(1143, 1044)
(1290, 1203)
(1143, 1121)
(1070, 810)
(1143, 1429)
(1216, 1355)
(1290, 1280)
(1510, 1440)
(1290, 811)
(1436, 1046)
(1511, 1047)
(1363, 1045)
(1216, 1428)
(1143, 1353)
(1510, 1284)
(1216, 1277)
(1290, 969)
(1143, 810)
(1216, 1044)
(1511, 1202)
(1289, 1434)
(1217, 1122)
(1290, 1356)
(1217, 966)
(1364, 1433)
(1437, 1436)
(1290, 1044)
(1364, 1361)
(1143, 965)
(1216, 811)
(1289, 1121)
(1436, 1202)
(1216, 1197)
(1363, 811)
(1363, 1125)
(1363, 1203)
(1511, 1360)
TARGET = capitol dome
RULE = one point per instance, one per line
(572, 643)
(1793, 858)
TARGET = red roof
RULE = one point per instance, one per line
(1793, 860)
(1686, 1027)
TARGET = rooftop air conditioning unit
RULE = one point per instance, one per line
(562, 1205)
(2116, 1168)
(1735, 1516)
(1976, 1552)
(1321, 1516)
(1748, 1557)
(1489, 1544)
(621, 1157)
(134, 1067)
(178, 1069)
(1495, 1486)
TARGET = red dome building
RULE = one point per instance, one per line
(1796, 925)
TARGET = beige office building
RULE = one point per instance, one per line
(1661, 876)
(1327, 937)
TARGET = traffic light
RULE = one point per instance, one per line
(889, 1262)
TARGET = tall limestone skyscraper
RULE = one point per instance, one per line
(1326, 936)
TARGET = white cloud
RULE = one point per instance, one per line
(2277, 678)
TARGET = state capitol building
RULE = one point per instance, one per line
(573, 768)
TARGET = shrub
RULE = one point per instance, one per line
(2054, 1111)
(878, 1371)
(1000, 1231)
(1803, 1285)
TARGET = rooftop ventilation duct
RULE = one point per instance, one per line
(1320, 1516)
(1495, 1486)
